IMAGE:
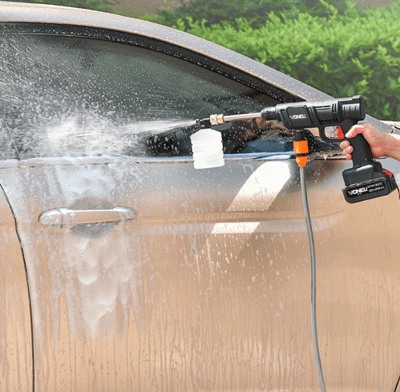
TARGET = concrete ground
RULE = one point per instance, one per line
(143, 7)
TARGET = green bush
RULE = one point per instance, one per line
(255, 11)
(340, 55)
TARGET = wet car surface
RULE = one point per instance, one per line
(126, 269)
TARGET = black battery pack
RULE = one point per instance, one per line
(367, 181)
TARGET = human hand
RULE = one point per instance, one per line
(381, 143)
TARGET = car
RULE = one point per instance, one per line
(124, 268)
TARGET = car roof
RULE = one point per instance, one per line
(57, 15)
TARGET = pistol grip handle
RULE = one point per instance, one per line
(361, 150)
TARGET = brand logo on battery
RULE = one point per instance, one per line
(298, 116)
(358, 191)
(370, 188)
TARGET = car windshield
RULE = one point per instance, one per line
(68, 96)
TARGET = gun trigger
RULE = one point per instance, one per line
(340, 133)
(322, 134)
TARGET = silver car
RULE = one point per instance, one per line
(123, 268)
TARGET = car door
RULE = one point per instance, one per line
(147, 274)
(118, 240)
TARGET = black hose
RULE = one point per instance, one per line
(313, 280)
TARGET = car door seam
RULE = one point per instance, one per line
(27, 282)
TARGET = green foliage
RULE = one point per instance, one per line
(341, 55)
(255, 11)
(88, 4)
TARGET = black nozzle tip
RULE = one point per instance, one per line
(204, 123)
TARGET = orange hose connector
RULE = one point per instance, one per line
(301, 149)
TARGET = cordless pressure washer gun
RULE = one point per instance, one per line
(366, 179)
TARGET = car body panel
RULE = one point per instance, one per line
(207, 285)
(204, 300)
(15, 324)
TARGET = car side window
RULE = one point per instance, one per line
(69, 96)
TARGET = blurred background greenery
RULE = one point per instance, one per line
(213, 11)
(255, 11)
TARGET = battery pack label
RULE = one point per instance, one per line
(363, 189)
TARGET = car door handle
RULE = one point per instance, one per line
(65, 217)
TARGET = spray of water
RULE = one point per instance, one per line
(53, 105)
(93, 135)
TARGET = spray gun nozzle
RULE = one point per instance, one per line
(216, 119)
(204, 123)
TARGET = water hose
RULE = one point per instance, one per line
(313, 279)
(300, 147)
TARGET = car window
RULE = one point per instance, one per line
(69, 96)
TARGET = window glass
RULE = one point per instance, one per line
(68, 96)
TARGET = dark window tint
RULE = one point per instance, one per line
(66, 96)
